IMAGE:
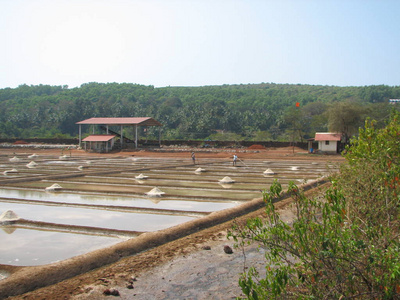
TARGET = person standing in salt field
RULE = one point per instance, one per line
(234, 159)
(193, 158)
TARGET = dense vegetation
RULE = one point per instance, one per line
(344, 246)
(264, 111)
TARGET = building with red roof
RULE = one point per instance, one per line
(105, 142)
(99, 142)
(328, 142)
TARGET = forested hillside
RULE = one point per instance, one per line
(264, 111)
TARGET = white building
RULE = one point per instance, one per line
(328, 142)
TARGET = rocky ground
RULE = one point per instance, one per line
(193, 267)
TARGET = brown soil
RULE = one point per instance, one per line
(20, 142)
(252, 147)
(90, 285)
(289, 153)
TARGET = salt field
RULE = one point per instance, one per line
(70, 205)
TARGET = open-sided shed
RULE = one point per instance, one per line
(133, 122)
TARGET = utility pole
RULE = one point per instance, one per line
(294, 129)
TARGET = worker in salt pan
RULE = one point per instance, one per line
(235, 159)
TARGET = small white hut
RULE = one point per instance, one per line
(328, 142)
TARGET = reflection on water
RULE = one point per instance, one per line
(8, 229)
(21, 246)
(145, 202)
(93, 217)
(226, 185)
(184, 191)
(26, 247)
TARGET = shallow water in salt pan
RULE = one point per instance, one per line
(108, 183)
(94, 217)
(25, 247)
(117, 200)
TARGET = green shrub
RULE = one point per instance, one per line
(344, 245)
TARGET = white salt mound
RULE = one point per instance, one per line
(8, 215)
(141, 176)
(63, 157)
(32, 164)
(34, 155)
(226, 185)
(54, 187)
(227, 179)
(10, 171)
(199, 170)
(155, 192)
(269, 172)
(14, 159)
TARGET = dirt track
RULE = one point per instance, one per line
(163, 272)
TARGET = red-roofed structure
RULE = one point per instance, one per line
(121, 121)
(105, 123)
(327, 136)
(99, 142)
(99, 138)
(328, 142)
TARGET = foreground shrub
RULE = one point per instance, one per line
(342, 246)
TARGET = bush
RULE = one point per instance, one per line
(343, 246)
(227, 136)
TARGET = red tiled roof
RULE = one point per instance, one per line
(99, 138)
(121, 121)
(327, 136)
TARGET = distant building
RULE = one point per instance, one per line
(106, 142)
(328, 142)
(99, 142)
(394, 101)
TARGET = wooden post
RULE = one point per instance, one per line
(136, 137)
(80, 136)
(159, 136)
(122, 138)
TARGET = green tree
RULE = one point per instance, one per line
(346, 118)
(315, 114)
(345, 246)
(188, 112)
(296, 123)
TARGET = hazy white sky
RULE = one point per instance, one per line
(199, 42)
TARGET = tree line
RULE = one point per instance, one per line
(265, 111)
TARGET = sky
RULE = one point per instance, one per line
(199, 42)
